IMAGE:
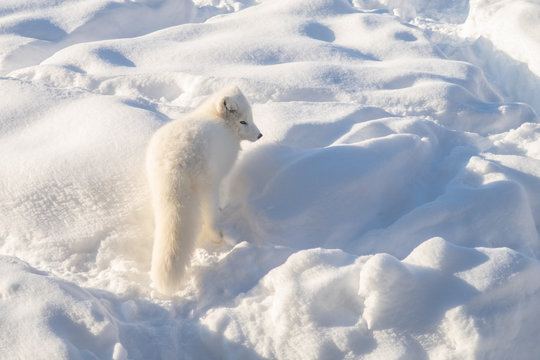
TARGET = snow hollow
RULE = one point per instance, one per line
(391, 210)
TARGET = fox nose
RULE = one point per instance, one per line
(260, 136)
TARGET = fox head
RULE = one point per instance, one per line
(235, 109)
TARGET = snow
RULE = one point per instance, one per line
(390, 211)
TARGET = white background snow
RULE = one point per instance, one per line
(391, 210)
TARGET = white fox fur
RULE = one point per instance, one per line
(186, 161)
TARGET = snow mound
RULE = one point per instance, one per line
(433, 304)
(503, 22)
(65, 320)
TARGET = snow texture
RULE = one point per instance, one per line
(391, 210)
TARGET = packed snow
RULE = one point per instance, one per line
(391, 210)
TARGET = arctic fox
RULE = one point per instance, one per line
(186, 160)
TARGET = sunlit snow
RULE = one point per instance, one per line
(391, 210)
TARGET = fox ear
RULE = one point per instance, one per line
(226, 105)
(230, 104)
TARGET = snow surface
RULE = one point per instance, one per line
(391, 210)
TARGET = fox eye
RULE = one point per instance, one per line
(243, 122)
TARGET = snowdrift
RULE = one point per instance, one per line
(390, 211)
